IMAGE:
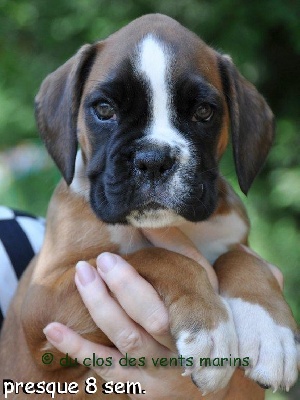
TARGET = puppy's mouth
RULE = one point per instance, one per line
(150, 205)
(153, 215)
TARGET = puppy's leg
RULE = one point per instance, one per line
(200, 322)
(264, 322)
(56, 298)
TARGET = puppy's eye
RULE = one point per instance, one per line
(105, 111)
(203, 113)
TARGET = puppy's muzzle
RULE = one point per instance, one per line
(151, 164)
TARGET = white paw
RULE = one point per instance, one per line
(211, 351)
(270, 347)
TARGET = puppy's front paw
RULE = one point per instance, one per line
(212, 350)
(271, 347)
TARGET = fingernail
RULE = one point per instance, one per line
(53, 334)
(106, 261)
(85, 273)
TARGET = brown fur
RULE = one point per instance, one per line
(47, 291)
(265, 288)
(59, 301)
(53, 284)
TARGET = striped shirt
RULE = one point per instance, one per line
(21, 236)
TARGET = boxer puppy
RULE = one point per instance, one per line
(151, 107)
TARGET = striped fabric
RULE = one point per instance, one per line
(21, 236)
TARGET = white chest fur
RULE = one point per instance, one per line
(212, 237)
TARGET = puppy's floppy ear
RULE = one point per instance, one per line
(252, 123)
(56, 109)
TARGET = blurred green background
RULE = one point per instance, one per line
(263, 38)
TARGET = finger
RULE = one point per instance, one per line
(275, 270)
(68, 341)
(110, 317)
(122, 279)
(277, 274)
(250, 251)
(174, 239)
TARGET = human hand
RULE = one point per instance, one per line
(130, 326)
(141, 330)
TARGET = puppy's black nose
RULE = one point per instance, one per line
(155, 162)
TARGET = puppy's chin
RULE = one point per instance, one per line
(159, 218)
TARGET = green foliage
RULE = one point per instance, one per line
(263, 38)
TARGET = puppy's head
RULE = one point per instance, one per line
(151, 107)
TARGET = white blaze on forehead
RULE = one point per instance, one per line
(154, 64)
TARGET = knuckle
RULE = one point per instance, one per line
(120, 282)
(94, 306)
(77, 347)
(157, 323)
(105, 372)
(129, 341)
